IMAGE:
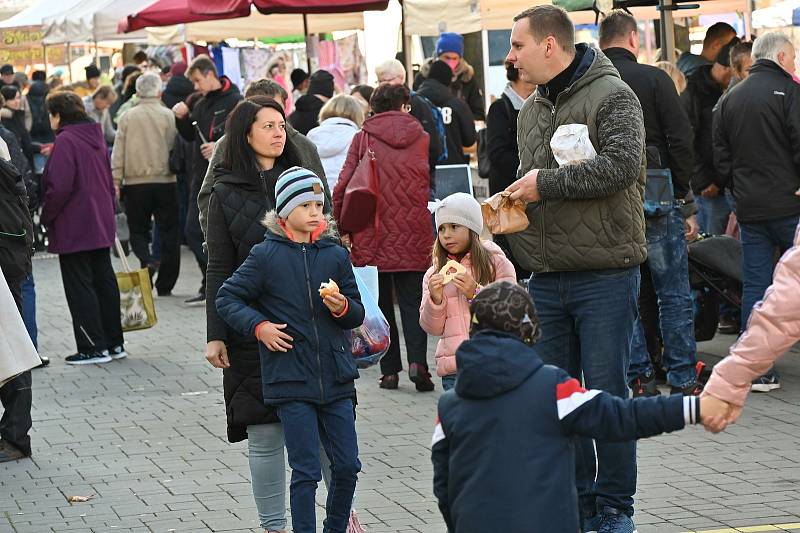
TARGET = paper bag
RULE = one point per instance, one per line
(571, 144)
(17, 353)
(502, 215)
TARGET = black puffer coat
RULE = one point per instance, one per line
(238, 204)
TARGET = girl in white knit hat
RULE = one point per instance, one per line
(462, 265)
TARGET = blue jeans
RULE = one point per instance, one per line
(759, 242)
(305, 425)
(265, 445)
(587, 324)
(448, 382)
(668, 265)
(29, 309)
(713, 214)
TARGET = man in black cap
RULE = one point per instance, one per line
(7, 75)
(704, 88)
(307, 108)
(300, 81)
(88, 87)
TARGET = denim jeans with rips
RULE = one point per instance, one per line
(587, 323)
(668, 266)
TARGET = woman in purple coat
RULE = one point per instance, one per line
(78, 211)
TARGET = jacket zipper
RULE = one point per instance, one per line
(313, 322)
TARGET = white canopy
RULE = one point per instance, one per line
(775, 16)
(256, 25)
(91, 20)
(33, 15)
(430, 17)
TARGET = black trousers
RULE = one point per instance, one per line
(194, 235)
(159, 200)
(93, 299)
(16, 396)
(407, 288)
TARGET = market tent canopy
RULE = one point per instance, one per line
(308, 7)
(33, 15)
(775, 16)
(256, 25)
(431, 17)
(91, 20)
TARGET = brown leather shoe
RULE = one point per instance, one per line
(389, 381)
(420, 377)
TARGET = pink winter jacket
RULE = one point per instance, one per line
(773, 328)
(450, 320)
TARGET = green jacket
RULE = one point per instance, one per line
(306, 152)
(591, 214)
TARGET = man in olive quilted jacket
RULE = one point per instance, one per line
(586, 237)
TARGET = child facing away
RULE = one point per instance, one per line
(504, 445)
(444, 311)
(306, 360)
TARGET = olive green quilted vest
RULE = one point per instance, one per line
(576, 235)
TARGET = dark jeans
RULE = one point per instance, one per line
(93, 299)
(305, 426)
(142, 203)
(667, 267)
(759, 241)
(183, 204)
(587, 324)
(408, 288)
(29, 309)
(16, 395)
(713, 214)
(194, 235)
(448, 382)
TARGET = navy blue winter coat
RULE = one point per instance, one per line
(279, 282)
(504, 446)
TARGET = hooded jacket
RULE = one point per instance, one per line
(773, 328)
(78, 202)
(464, 86)
(279, 282)
(458, 122)
(701, 95)
(332, 139)
(177, 90)
(402, 238)
(450, 320)
(508, 429)
(210, 111)
(591, 215)
(757, 143)
(306, 113)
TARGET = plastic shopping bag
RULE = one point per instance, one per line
(17, 353)
(571, 144)
(371, 339)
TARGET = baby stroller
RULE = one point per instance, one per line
(715, 275)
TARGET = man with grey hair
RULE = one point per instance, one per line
(757, 154)
(392, 71)
(140, 166)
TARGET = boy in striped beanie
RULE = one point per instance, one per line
(307, 366)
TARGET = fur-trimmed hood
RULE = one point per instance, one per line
(464, 71)
(274, 227)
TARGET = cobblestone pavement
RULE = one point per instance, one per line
(145, 437)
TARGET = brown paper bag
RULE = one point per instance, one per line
(502, 215)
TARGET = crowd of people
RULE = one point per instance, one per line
(188, 158)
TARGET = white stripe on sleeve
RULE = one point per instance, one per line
(573, 401)
(438, 434)
(690, 410)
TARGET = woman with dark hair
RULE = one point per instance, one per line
(255, 154)
(78, 211)
(401, 242)
(13, 119)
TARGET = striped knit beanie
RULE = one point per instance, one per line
(297, 186)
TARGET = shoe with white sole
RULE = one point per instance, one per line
(87, 358)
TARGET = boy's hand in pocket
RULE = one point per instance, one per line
(273, 338)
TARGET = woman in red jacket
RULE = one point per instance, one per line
(400, 245)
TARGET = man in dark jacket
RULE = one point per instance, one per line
(718, 35)
(203, 124)
(464, 84)
(503, 445)
(704, 88)
(15, 263)
(40, 124)
(586, 237)
(308, 106)
(757, 152)
(668, 135)
(458, 122)
(393, 71)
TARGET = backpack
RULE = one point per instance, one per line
(16, 226)
(484, 163)
(439, 121)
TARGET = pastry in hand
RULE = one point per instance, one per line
(328, 289)
(450, 270)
